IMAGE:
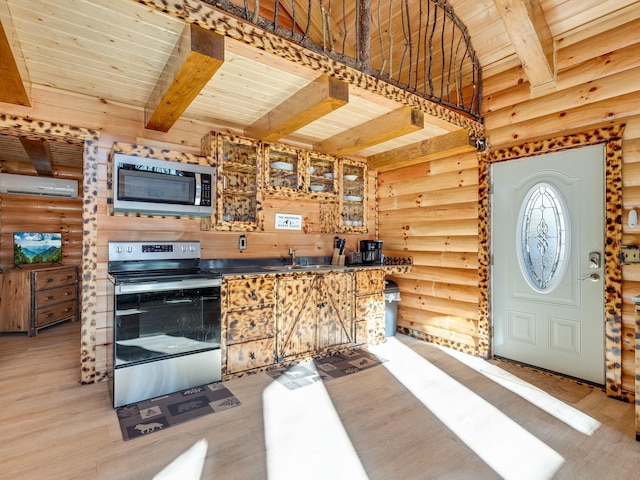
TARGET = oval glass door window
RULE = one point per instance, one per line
(543, 237)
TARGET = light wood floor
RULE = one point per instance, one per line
(424, 414)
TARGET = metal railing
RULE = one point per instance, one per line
(417, 45)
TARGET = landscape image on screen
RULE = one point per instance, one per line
(36, 247)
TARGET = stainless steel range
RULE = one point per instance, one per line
(166, 320)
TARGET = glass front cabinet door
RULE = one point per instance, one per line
(238, 198)
(283, 170)
(323, 175)
(353, 197)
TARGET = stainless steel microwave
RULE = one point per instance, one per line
(161, 187)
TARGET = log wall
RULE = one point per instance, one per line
(597, 89)
(430, 212)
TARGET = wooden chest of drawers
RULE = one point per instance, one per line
(54, 297)
(36, 297)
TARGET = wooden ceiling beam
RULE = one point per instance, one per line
(444, 145)
(12, 88)
(196, 57)
(39, 152)
(531, 36)
(391, 125)
(317, 99)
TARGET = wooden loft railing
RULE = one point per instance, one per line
(418, 45)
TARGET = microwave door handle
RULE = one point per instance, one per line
(198, 179)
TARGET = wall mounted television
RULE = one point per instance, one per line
(36, 247)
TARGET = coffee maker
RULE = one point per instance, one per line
(371, 251)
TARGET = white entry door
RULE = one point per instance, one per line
(547, 275)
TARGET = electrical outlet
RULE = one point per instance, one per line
(242, 242)
(630, 254)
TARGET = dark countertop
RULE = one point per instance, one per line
(255, 266)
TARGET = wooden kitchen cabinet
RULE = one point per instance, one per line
(353, 197)
(238, 192)
(313, 313)
(369, 306)
(323, 175)
(284, 170)
(248, 319)
(37, 297)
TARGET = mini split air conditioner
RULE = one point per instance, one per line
(32, 185)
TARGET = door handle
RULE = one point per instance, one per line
(594, 277)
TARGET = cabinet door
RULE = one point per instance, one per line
(247, 325)
(335, 322)
(239, 173)
(353, 197)
(283, 170)
(296, 312)
(369, 281)
(249, 292)
(323, 175)
(250, 355)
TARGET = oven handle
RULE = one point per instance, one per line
(165, 286)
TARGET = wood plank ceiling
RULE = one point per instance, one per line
(126, 52)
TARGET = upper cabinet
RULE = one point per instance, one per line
(353, 196)
(238, 176)
(284, 170)
(323, 175)
(249, 169)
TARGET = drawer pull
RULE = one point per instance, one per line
(253, 324)
(252, 355)
(50, 297)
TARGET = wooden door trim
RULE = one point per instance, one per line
(57, 132)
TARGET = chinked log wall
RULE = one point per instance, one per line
(596, 87)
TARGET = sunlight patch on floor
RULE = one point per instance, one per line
(510, 450)
(188, 465)
(574, 418)
(305, 437)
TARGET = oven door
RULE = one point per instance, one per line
(166, 337)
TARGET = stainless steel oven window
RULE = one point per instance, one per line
(155, 324)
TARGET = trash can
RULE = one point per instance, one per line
(391, 299)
